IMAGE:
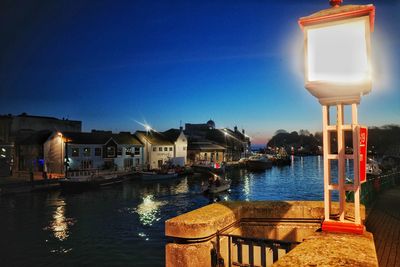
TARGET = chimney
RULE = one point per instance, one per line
(235, 129)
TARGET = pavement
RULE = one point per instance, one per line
(384, 222)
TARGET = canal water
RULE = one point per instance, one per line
(123, 225)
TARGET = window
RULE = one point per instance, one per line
(97, 151)
(154, 149)
(160, 149)
(75, 152)
(86, 152)
(110, 152)
(86, 164)
(170, 149)
(165, 148)
(128, 151)
(184, 148)
(137, 150)
(119, 151)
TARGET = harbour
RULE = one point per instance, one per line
(123, 224)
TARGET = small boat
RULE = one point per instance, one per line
(88, 179)
(208, 167)
(216, 185)
(258, 163)
(157, 175)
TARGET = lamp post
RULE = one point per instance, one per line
(338, 72)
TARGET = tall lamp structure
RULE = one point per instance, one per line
(338, 72)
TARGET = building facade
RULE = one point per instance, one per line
(95, 150)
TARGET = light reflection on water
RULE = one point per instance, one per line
(124, 225)
(149, 210)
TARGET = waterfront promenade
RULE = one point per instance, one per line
(384, 222)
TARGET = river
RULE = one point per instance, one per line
(123, 225)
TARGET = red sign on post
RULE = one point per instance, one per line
(363, 153)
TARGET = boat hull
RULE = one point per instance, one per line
(207, 169)
(150, 176)
(88, 183)
(258, 165)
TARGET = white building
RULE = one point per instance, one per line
(94, 150)
(162, 148)
(180, 145)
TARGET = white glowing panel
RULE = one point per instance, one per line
(338, 53)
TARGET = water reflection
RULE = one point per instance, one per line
(60, 224)
(149, 210)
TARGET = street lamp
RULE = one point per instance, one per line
(338, 52)
(338, 72)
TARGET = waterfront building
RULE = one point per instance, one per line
(19, 136)
(158, 148)
(180, 145)
(205, 152)
(94, 150)
(206, 138)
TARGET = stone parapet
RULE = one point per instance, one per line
(206, 221)
(332, 249)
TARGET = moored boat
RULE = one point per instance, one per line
(88, 179)
(258, 163)
(157, 175)
(208, 167)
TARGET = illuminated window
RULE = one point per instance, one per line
(75, 152)
(86, 152)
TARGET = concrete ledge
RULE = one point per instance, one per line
(206, 221)
(331, 249)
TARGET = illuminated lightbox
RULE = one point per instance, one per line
(338, 54)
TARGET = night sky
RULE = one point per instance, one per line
(113, 63)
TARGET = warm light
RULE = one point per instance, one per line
(338, 53)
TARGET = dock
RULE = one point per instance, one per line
(384, 222)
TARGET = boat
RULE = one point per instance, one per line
(158, 175)
(79, 180)
(216, 185)
(208, 167)
(281, 158)
(258, 163)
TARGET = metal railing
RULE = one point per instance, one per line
(371, 188)
(245, 251)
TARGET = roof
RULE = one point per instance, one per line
(37, 138)
(100, 138)
(338, 13)
(155, 138)
(205, 146)
(172, 134)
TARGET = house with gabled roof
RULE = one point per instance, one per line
(180, 141)
(158, 148)
(92, 150)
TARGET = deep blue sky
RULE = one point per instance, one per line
(111, 63)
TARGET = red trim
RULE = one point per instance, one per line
(342, 227)
(369, 10)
